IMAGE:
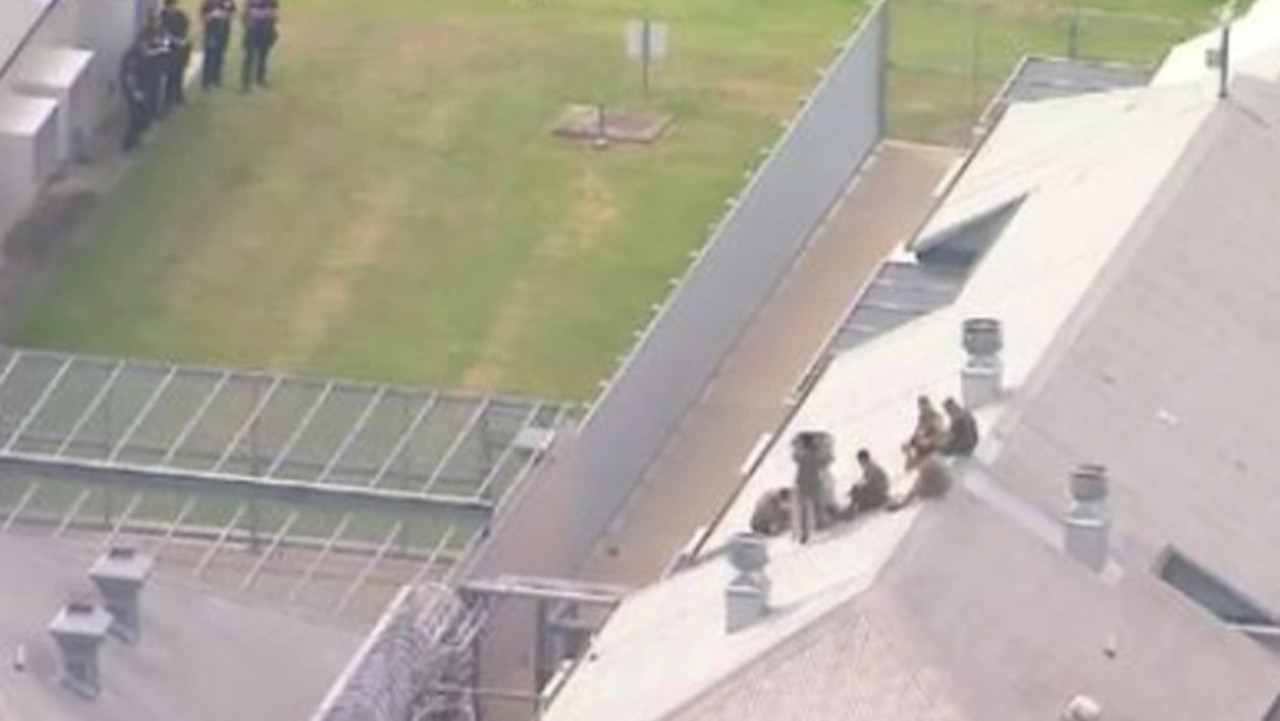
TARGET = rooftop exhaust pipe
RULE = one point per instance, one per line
(78, 630)
(119, 576)
(747, 596)
(982, 377)
(1088, 524)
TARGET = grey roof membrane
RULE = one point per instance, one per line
(974, 619)
(1039, 78)
(202, 656)
(1167, 374)
(901, 291)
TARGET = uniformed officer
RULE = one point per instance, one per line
(155, 61)
(261, 18)
(176, 27)
(216, 17)
(133, 85)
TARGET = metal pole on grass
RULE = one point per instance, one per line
(975, 68)
(646, 54)
(601, 140)
(1073, 32)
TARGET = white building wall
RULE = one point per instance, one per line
(67, 76)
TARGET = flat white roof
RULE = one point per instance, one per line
(1255, 38)
(53, 67)
(23, 116)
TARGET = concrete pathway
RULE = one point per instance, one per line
(701, 467)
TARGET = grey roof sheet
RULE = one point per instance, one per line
(899, 292)
(1167, 374)
(1042, 78)
(204, 656)
(974, 619)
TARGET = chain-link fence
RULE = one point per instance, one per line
(948, 58)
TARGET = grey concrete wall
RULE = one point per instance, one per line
(750, 251)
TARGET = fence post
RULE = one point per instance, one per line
(1073, 32)
(975, 65)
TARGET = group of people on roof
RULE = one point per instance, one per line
(810, 504)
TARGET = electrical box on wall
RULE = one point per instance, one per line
(64, 75)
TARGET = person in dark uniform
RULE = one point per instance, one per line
(176, 27)
(133, 86)
(155, 59)
(216, 17)
(261, 19)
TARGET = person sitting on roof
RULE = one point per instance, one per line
(962, 431)
(870, 492)
(929, 434)
(932, 480)
(772, 516)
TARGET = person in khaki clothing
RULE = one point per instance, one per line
(962, 430)
(929, 435)
(772, 516)
(933, 479)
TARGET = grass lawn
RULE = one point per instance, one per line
(393, 207)
(951, 56)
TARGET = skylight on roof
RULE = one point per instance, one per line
(1212, 593)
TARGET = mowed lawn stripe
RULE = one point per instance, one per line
(394, 208)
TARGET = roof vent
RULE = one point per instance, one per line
(78, 630)
(982, 377)
(747, 596)
(1088, 524)
(119, 576)
(1082, 708)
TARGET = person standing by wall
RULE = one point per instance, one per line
(261, 30)
(215, 17)
(176, 27)
(155, 59)
(133, 87)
